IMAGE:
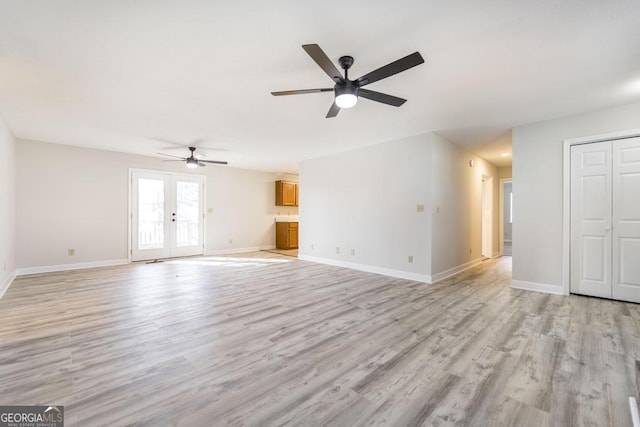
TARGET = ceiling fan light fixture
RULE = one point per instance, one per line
(192, 163)
(346, 96)
(346, 100)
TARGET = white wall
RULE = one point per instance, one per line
(7, 206)
(505, 172)
(72, 197)
(538, 186)
(366, 200)
(456, 207)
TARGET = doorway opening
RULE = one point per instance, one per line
(166, 215)
(506, 203)
(487, 216)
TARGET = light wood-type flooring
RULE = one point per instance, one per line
(263, 339)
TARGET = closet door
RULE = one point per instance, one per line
(591, 219)
(626, 220)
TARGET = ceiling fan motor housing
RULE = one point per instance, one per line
(348, 87)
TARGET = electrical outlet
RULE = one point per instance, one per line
(353, 251)
(71, 252)
(437, 209)
(209, 210)
(470, 251)
(230, 241)
(420, 208)
(312, 246)
(337, 249)
(410, 259)
(4, 266)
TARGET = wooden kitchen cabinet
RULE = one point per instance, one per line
(286, 235)
(286, 193)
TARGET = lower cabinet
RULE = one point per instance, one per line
(286, 235)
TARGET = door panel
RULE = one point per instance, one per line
(189, 208)
(626, 220)
(591, 219)
(594, 248)
(149, 225)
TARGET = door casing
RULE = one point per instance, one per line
(566, 197)
(131, 201)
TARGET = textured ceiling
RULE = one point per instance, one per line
(149, 76)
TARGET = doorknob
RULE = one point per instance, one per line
(607, 229)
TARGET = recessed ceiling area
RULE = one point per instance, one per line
(143, 77)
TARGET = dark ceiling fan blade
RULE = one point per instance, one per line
(214, 162)
(381, 97)
(388, 70)
(333, 111)
(173, 160)
(300, 92)
(171, 155)
(201, 164)
(323, 61)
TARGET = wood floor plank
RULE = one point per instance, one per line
(265, 339)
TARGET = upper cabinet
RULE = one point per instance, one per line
(286, 193)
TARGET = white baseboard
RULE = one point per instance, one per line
(239, 250)
(7, 283)
(369, 268)
(65, 267)
(496, 254)
(537, 287)
(455, 270)
(508, 241)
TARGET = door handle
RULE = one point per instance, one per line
(607, 229)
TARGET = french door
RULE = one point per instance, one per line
(605, 219)
(167, 215)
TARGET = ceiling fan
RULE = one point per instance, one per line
(347, 91)
(193, 161)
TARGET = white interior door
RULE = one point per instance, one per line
(626, 220)
(167, 215)
(591, 219)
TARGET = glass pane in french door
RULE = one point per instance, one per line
(187, 213)
(151, 209)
